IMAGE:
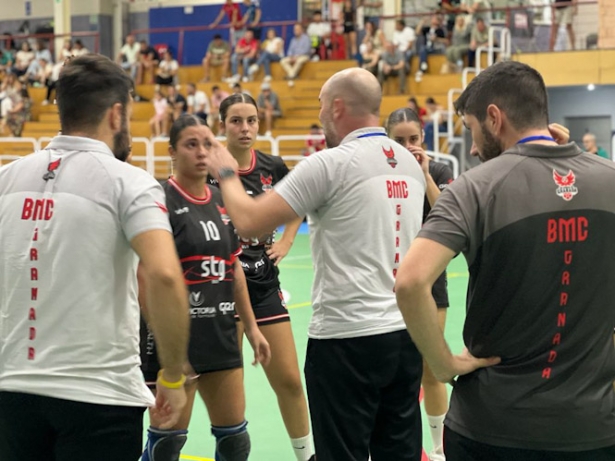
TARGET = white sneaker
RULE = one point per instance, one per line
(267, 78)
(45, 103)
(253, 69)
(234, 79)
(291, 83)
(267, 133)
(436, 457)
(244, 79)
(419, 76)
(423, 66)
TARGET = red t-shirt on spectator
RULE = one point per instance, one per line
(230, 11)
(243, 43)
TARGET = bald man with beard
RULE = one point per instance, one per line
(363, 197)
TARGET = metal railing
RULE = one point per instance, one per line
(150, 159)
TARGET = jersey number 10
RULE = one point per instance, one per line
(211, 230)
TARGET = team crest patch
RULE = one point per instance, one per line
(390, 155)
(196, 298)
(225, 217)
(565, 185)
(266, 182)
(51, 170)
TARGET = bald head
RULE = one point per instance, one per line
(359, 90)
(589, 143)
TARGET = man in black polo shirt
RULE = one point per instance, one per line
(536, 224)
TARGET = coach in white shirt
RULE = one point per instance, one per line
(364, 201)
(75, 219)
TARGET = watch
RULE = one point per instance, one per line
(226, 172)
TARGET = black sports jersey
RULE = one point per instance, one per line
(261, 274)
(442, 176)
(208, 247)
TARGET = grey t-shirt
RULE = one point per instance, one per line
(536, 226)
(364, 202)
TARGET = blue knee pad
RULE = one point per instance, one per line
(232, 442)
(164, 445)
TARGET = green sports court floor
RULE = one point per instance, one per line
(269, 439)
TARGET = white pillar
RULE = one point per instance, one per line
(61, 20)
(119, 13)
(390, 8)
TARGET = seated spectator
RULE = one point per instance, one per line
(374, 36)
(177, 104)
(432, 110)
(238, 89)
(148, 63)
(67, 50)
(166, 74)
(129, 56)
(252, 17)
(41, 53)
(420, 111)
(197, 101)
(297, 55)
(479, 37)
(460, 44)
(269, 108)
(159, 122)
(272, 50)
(451, 8)
(590, 146)
(431, 40)
(404, 38)
(8, 43)
(246, 51)
(370, 58)
(349, 20)
(319, 32)
(19, 114)
(43, 72)
(393, 63)
(6, 61)
(79, 49)
(313, 145)
(52, 81)
(218, 55)
(23, 58)
(8, 89)
(217, 96)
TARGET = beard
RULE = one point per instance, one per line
(330, 137)
(121, 141)
(491, 147)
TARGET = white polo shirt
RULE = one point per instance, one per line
(69, 317)
(364, 201)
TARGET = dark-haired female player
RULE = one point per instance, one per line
(259, 172)
(208, 248)
(404, 126)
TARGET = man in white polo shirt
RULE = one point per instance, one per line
(129, 55)
(364, 199)
(74, 218)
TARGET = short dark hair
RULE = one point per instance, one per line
(314, 126)
(78, 42)
(430, 100)
(215, 87)
(88, 86)
(184, 121)
(233, 99)
(401, 22)
(315, 12)
(217, 36)
(516, 88)
(405, 114)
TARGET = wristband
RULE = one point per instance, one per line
(169, 385)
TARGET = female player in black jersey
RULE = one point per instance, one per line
(208, 248)
(259, 173)
(404, 126)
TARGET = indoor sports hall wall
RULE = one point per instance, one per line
(195, 43)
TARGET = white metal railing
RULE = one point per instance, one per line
(9, 140)
(150, 159)
(504, 48)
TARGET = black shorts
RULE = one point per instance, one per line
(37, 428)
(460, 448)
(269, 309)
(348, 28)
(439, 291)
(364, 397)
(213, 346)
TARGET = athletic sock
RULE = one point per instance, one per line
(303, 447)
(436, 428)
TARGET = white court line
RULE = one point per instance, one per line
(296, 258)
